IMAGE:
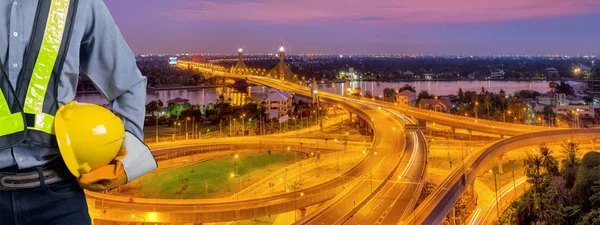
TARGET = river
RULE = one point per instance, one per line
(209, 95)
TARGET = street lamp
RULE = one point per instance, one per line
(186, 130)
(496, 188)
(133, 216)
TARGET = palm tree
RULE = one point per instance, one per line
(570, 163)
(548, 161)
(487, 102)
(533, 165)
(571, 150)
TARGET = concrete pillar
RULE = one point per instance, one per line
(500, 170)
(302, 212)
(472, 186)
(350, 114)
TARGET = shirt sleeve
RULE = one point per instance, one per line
(111, 66)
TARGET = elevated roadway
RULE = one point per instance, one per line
(404, 162)
(115, 208)
(435, 208)
(454, 121)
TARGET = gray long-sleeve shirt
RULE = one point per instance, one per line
(97, 47)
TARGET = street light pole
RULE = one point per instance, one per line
(496, 188)
(186, 130)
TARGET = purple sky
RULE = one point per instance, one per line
(444, 27)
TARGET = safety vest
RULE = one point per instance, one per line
(27, 113)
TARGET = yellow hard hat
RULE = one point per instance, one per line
(89, 136)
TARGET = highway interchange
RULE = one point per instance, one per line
(381, 188)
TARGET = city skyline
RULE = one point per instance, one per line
(432, 27)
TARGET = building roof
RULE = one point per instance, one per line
(278, 96)
(433, 102)
(178, 100)
(407, 93)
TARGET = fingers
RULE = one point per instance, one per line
(103, 173)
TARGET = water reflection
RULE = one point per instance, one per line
(209, 95)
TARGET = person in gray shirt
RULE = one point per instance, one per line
(44, 44)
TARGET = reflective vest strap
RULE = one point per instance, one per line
(46, 59)
(10, 123)
(41, 122)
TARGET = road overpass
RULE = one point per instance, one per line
(376, 114)
(446, 119)
(435, 208)
(115, 208)
(412, 163)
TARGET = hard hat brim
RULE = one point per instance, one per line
(64, 146)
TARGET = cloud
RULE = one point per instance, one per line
(387, 11)
(370, 18)
(231, 1)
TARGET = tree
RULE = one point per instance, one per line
(487, 102)
(407, 87)
(564, 88)
(595, 198)
(368, 94)
(152, 107)
(424, 95)
(587, 174)
(461, 95)
(549, 113)
(570, 163)
(588, 99)
(502, 98)
(174, 110)
(389, 95)
(548, 161)
(592, 218)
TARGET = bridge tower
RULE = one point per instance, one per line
(240, 67)
(348, 88)
(281, 70)
(314, 90)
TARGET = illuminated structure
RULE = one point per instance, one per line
(240, 67)
(281, 71)
(350, 74)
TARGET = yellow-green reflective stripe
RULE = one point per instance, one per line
(55, 26)
(9, 123)
(4, 108)
(44, 122)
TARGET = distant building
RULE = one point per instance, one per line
(278, 103)
(552, 73)
(593, 85)
(409, 74)
(497, 75)
(407, 97)
(584, 111)
(471, 76)
(198, 58)
(439, 105)
(552, 99)
(350, 74)
(239, 93)
(428, 76)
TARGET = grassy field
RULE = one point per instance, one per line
(213, 179)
